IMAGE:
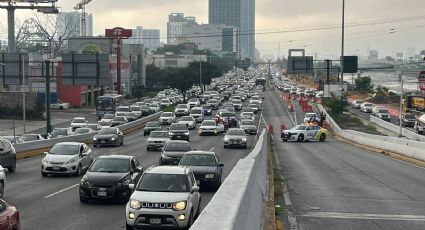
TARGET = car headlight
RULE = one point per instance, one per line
(94, 138)
(226, 139)
(209, 176)
(45, 160)
(123, 183)
(73, 160)
(135, 204)
(186, 133)
(85, 182)
(178, 206)
(243, 139)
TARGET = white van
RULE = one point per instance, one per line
(197, 113)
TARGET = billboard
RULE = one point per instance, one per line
(351, 64)
(86, 69)
(11, 67)
(118, 32)
(300, 65)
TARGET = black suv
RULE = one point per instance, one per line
(178, 131)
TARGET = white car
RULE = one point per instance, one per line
(154, 107)
(194, 102)
(197, 113)
(247, 115)
(67, 158)
(189, 121)
(78, 122)
(156, 140)
(165, 102)
(356, 104)
(182, 110)
(122, 109)
(167, 118)
(366, 107)
(106, 120)
(136, 110)
(210, 127)
(60, 105)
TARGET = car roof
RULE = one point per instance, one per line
(200, 152)
(79, 118)
(116, 157)
(69, 143)
(168, 170)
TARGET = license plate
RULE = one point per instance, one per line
(103, 142)
(234, 142)
(179, 136)
(101, 193)
(56, 168)
(155, 221)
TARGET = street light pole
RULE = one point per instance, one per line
(342, 44)
(23, 94)
(401, 103)
(200, 74)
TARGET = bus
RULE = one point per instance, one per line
(260, 81)
(107, 104)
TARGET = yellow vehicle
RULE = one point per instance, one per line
(414, 103)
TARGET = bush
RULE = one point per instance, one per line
(335, 105)
(363, 84)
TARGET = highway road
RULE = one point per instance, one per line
(53, 202)
(335, 186)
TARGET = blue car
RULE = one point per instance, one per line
(207, 110)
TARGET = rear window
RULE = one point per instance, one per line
(177, 146)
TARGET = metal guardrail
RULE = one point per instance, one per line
(35, 148)
(238, 204)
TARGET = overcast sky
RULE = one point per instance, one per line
(281, 17)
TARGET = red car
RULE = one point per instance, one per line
(9, 217)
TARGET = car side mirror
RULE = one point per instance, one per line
(195, 188)
(44, 153)
(120, 133)
(131, 186)
(139, 169)
(220, 165)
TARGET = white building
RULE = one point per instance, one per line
(150, 38)
(69, 24)
(173, 60)
(175, 24)
(216, 38)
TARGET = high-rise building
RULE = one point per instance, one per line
(148, 37)
(239, 13)
(175, 24)
(225, 39)
(69, 24)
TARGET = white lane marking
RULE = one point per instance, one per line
(112, 150)
(364, 216)
(61, 191)
(212, 149)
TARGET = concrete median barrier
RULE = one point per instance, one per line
(238, 204)
(36, 148)
(408, 148)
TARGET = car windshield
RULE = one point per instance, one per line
(177, 146)
(152, 124)
(154, 182)
(108, 116)
(166, 115)
(177, 126)
(182, 106)
(187, 119)
(165, 101)
(79, 120)
(159, 134)
(29, 137)
(122, 109)
(196, 111)
(64, 149)
(206, 107)
(299, 127)
(359, 102)
(145, 107)
(308, 115)
(236, 132)
(198, 160)
(106, 131)
(247, 122)
(59, 132)
(135, 108)
(110, 165)
(81, 130)
(208, 123)
(383, 111)
(120, 118)
(409, 116)
(368, 105)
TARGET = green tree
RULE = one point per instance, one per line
(181, 79)
(363, 84)
(336, 105)
(139, 92)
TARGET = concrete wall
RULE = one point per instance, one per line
(390, 126)
(410, 148)
(238, 204)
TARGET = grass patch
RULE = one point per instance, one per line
(348, 121)
(169, 108)
(371, 127)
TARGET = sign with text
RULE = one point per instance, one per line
(118, 32)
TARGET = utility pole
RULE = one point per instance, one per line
(400, 76)
(342, 44)
(48, 122)
(200, 75)
(23, 93)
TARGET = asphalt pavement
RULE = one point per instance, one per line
(53, 202)
(335, 186)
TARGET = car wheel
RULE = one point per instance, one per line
(148, 149)
(44, 174)
(128, 227)
(225, 146)
(1, 189)
(300, 138)
(12, 167)
(190, 222)
(322, 137)
(95, 146)
(79, 171)
(83, 200)
(122, 143)
(218, 184)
